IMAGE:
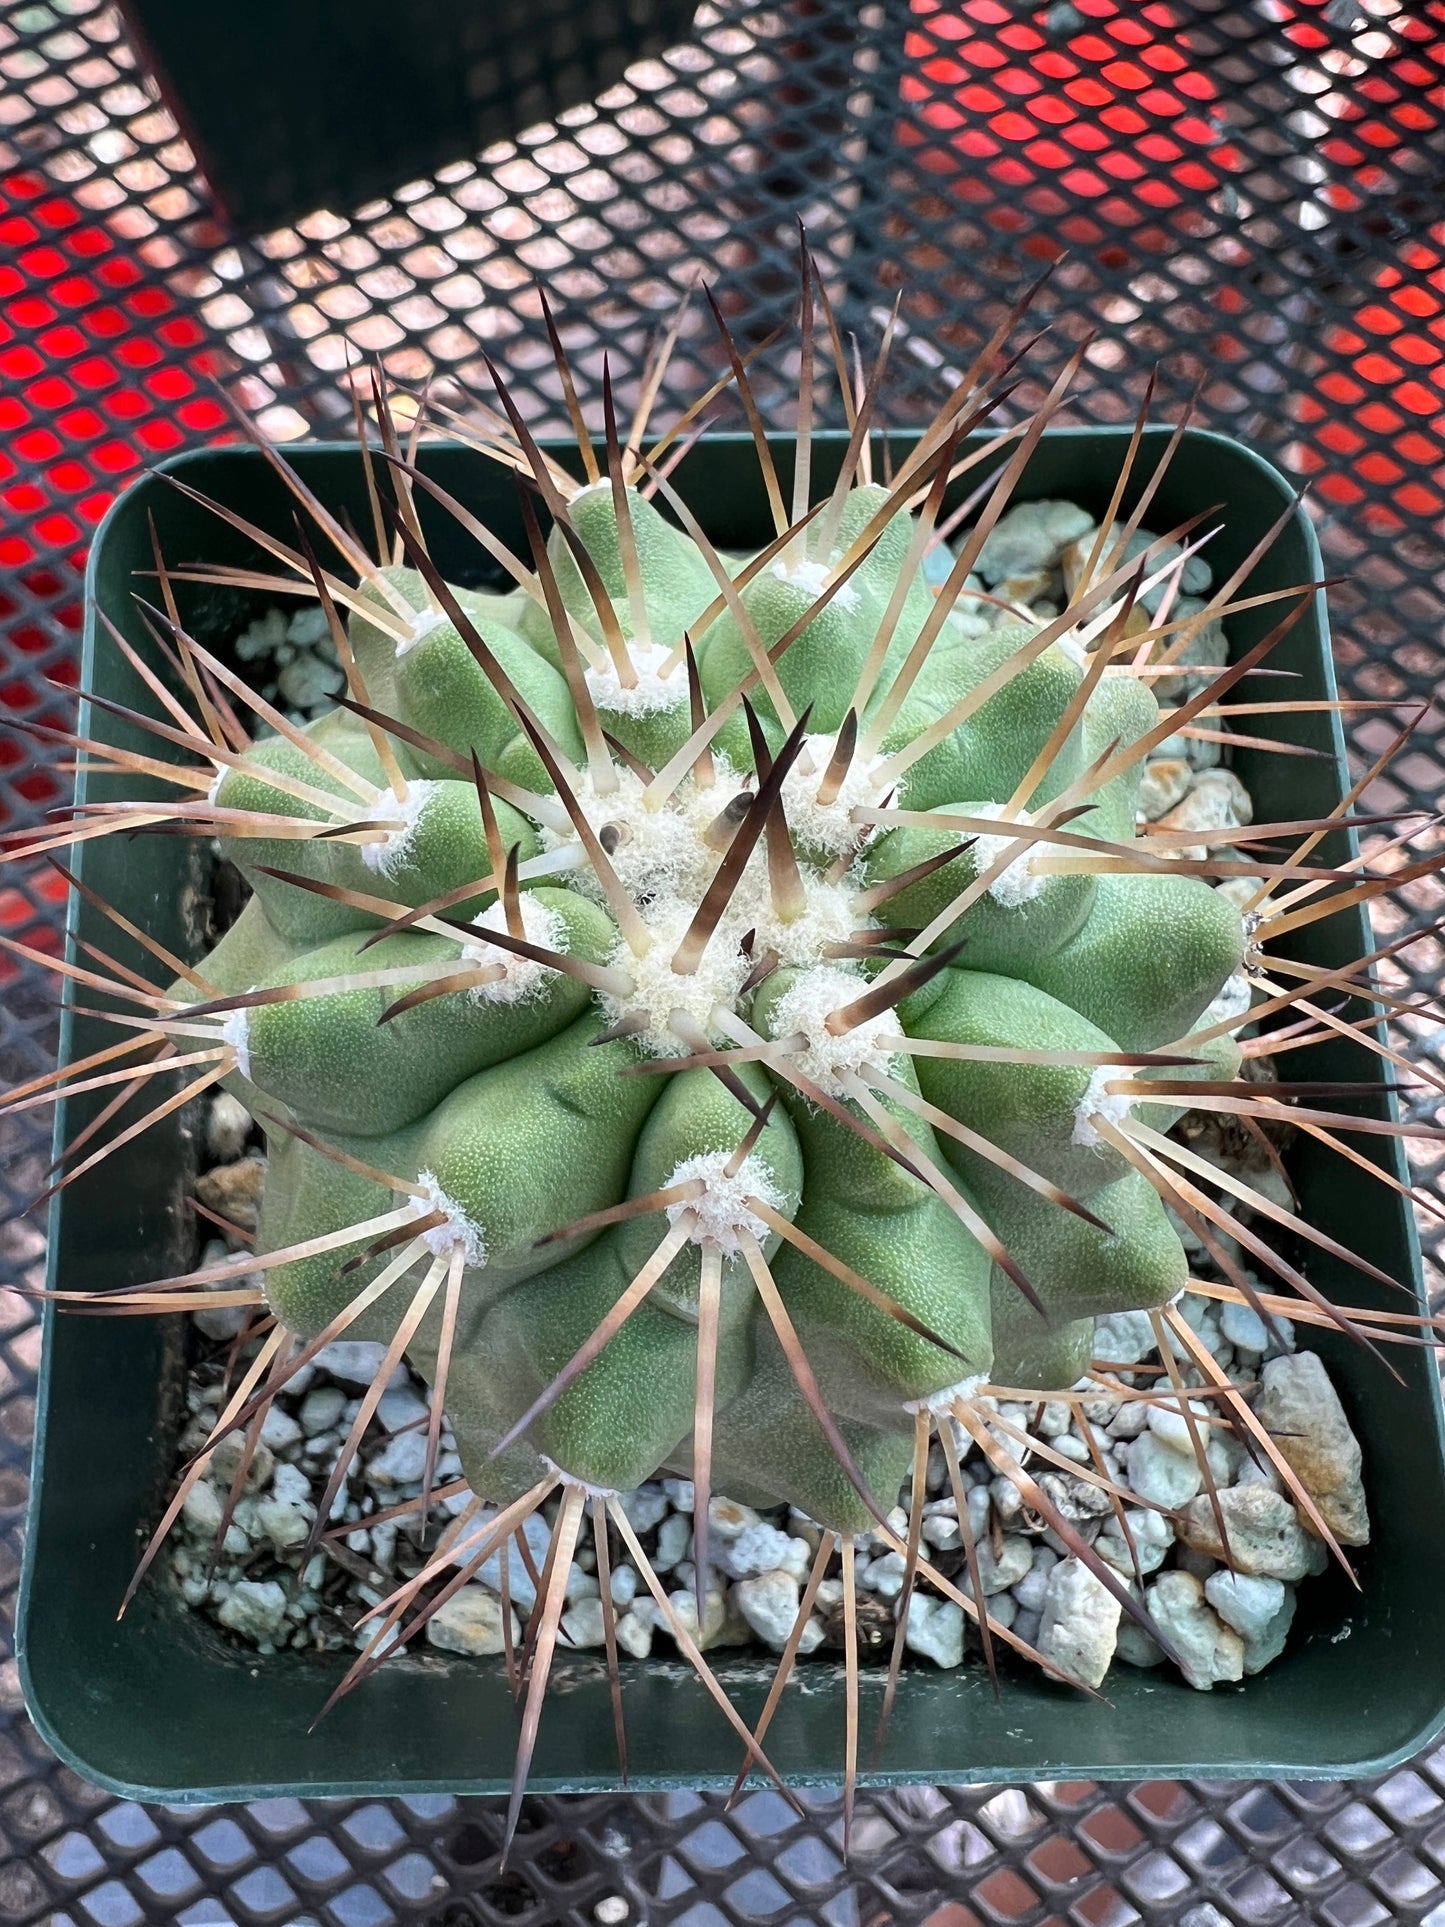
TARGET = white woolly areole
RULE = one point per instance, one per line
(387, 856)
(806, 1006)
(223, 770)
(1017, 884)
(1068, 644)
(424, 623)
(458, 1231)
(832, 916)
(660, 852)
(943, 1401)
(721, 1215)
(525, 977)
(802, 572)
(658, 990)
(570, 1478)
(828, 826)
(650, 694)
(1097, 1102)
(1234, 999)
(235, 1031)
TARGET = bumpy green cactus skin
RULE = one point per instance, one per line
(502, 1101)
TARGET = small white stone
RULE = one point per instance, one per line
(1031, 538)
(1131, 1417)
(202, 1512)
(355, 1361)
(762, 1548)
(321, 1409)
(684, 1605)
(279, 1430)
(1300, 1408)
(1015, 1558)
(228, 1125)
(581, 1584)
(1265, 1538)
(672, 1540)
(1054, 1420)
(401, 1409)
(582, 1624)
(645, 1508)
(469, 1622)
(726, 1520)
(538, 1536)
(884, 1576)
(1245, 1329)
(935, 1630)
(1164, 784)
(1008, 1501)
(679, 1492)
(634, 1634)
(401, 1461)
(624, 1585)
(1080, 1624)
(769, 1604)
(1124, 1337)
(228, 1455)
(1029, 1591)
(1160, 1474)
(1168, 1424)
(1245, 1603)
(286, 1525)
(1152, 1534)
(1209, 1651)
(254, 1608)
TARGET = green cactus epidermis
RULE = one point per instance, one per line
(502, 1103)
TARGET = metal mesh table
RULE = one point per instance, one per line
(1247, 197)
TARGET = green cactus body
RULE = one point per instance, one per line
(620, 1068)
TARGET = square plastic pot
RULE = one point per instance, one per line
(160, 1706)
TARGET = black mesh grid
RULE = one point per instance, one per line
(1247, 196)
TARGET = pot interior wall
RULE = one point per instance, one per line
(160, 1706)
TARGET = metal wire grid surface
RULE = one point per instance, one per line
(1248, 197)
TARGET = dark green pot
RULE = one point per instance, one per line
(158, 1706)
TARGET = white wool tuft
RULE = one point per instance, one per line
(386, 857)
(806, 1006)
(235, 1031)
(939, 1402)
(658, 990)
(650, 694)
(1097, 1102)
(459, 1230)
(721, 1214)
(570, 1478)
(661, 853)
(1017, 884)
(525, 976)
(802, 572)
(828, 826)
(832, 916)
(223, 770)
(1069, 645)
(424, 623)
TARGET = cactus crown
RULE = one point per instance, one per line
(715, 1013)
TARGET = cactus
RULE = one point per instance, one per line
(716, 1016)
